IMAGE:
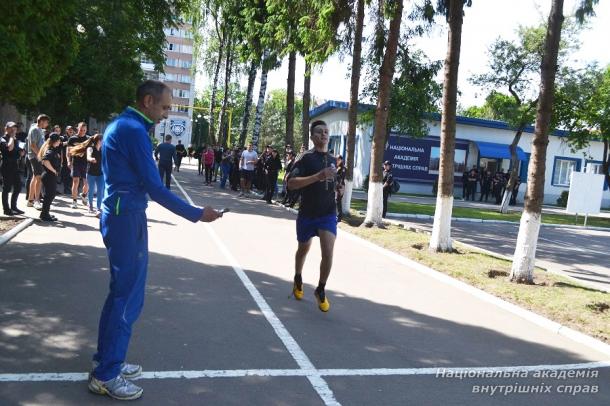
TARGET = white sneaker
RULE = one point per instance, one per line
(84, 199)
(74, 205)
(37, 205)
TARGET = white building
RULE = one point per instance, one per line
(179, 77)
(481, 143)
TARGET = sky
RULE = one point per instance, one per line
(485, 21)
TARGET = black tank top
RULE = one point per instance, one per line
(95, 169)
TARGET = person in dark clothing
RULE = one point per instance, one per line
(165, 155)
(11, 180)
(465, 185)
(225, 168)
(388, 180)
(217, 161)
(180, 153)
(340, 188)
(190, 151)
(235, 175)
(314, 174)
(514, 193)
(272, 167)
(198, 155)
(485, 182)
(290, 196)
(50, 157)
(472, 185)
(78, 165)
(498, 186)
(66, 179)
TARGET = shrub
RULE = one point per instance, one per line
(563, 199)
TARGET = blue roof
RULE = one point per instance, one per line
(476, 122)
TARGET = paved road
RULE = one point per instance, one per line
(219, 327)
(577, 252)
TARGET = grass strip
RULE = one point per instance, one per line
(468, 212)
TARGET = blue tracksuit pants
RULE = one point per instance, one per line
(126, 240)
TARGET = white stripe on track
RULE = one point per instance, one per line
(240, 373)
(319, 384)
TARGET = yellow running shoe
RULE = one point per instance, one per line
(323, 302)
(297, 291)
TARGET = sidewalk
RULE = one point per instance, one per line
(220, 328)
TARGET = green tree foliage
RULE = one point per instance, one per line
(274, 120)
(414, 92)
(582, 106)
(38, 42)
(104, 71)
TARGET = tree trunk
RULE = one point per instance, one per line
(292, 65)
(258, 118)
(214, 87)
(306, 104)
(440, 240)
(514, 173)
(386, 72)
(246, 117)
(220, 133)
(525, 252)
(352, 112)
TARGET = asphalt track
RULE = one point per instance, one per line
(220, 328)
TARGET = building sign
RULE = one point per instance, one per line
(418, 159)
(177, 127)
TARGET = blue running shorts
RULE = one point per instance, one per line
(308, 227)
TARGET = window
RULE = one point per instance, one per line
(596, 167)
(563, 169)
(185, 64)
(181, 93)
(180, 108)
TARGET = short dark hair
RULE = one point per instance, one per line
(168, 137)
(42, 117)
(315, 124)
(154, 88)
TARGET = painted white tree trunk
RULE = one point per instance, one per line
(440, 241)
(525, 250)
(346, 202)
(505, 201)
(374, 206)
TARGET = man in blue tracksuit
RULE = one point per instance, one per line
(165, 154)
(130, 173)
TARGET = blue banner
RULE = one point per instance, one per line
(418, 159)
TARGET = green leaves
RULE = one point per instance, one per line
(93, 70)
(38, 42)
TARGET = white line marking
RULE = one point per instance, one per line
(319, 384)
(240, 373)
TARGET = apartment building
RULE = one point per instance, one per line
(179, 77)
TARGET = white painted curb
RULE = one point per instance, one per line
(487, 297)
(474, 220)
(9, 235)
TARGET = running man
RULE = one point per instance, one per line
(130, 174)
(314, 174)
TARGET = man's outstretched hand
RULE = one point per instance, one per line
(209, 215)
